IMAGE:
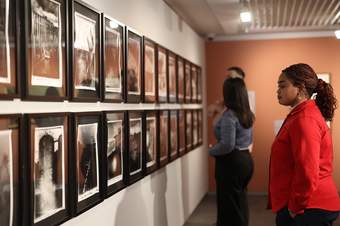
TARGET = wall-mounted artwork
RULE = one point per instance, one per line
(134, 66)
(195, 128)
(162, 74)
(113, 67)
(150, 79)
(46, 77)
(9, 170)
(194, 76)
(181, 132)
(86, 53)
(150, 139)
(187, 79)
(9, 84)
(172, 77)
(48, 164)
(163, 137)
(199, 85)
(173, 135)
(200, 126)
(180, 75)
(188, 130)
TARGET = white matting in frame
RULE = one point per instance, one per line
(115, 128)
(7, 78)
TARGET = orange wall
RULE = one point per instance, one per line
(263, 61)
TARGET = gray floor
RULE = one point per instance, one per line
(205, 213)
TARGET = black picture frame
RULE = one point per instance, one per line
(10, 68)
(173, 135)
(181, 132)
(150, 70)
(113, 58)
(172, 77)
(11, 132)
(163, 141)
(188, 130)
(194, 75)
(134, 66)
(162, 75)
(46, 48)
(181, 79)
(85, 52)
(134, 146)
(187, 81)
(199, 85)
(48, 168)
(150, 140)
(114, 149)
(86, 161)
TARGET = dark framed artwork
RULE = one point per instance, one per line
(10, 183)
(180, 75)
(187, 79)
(172, 71)
(173, 134)
(181, 132)
(199, 85)
(133, 66)
(150, 141)
(113, 58)
(150, 81)
(193, 84)
(200, 126)
(188, 130)
(195, 128)
(135, 146)
(46, 46)
(9, 49)
(163, 146)
(85, 52)
(114, 148)
(48, 167)
(86, 160)
(162, 74)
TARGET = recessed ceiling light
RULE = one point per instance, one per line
(337, 34)
(245, 17)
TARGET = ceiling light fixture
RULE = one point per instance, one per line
(337, 34)
(245, 17)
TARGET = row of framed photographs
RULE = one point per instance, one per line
(54, 166)
(67, 50)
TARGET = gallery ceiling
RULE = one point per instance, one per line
(221, 18)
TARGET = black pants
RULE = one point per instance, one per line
(311, 217)
(233, 173)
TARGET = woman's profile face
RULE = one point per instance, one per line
(286, 92)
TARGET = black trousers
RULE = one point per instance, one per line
(310, 217)
(232, 174)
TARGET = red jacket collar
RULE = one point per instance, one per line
(302, 106)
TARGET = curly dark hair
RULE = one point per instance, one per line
(303, 76)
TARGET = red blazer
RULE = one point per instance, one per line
(300, 175)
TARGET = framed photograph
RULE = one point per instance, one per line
(200, 126)
(135, 146)
(173, 134)
(163, 137)
(150, 81)
(134, 66)
(172, 71)
(199, 85)
(10, 183)
(193, 83)
(181, 132)
(113, 58)
(48, 158)
(187, 79)
(188, 130)
(162, 74)
(9, 49)
(195, 128)
(150, 141)
(46, 45)
(85, 51)
(180, 75)
(114, 147)
(87, 160)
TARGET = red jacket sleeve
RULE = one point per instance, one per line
(305, 138)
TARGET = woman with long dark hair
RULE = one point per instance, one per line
(234, 164)
(301, 188)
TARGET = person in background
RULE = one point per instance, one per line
(233, 162)
(301, 188)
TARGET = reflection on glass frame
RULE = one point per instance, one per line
(163, 137)
(180, 74)
(113, 67)
(195, 128)
(150, 141)
(134, 66)
(9, 83)
(48, 164)
(87, 159)
(9, 168)
(188, 130)
(193, 84)
(86, 53)
(135, 145)
(150, 84)
(172, 77)
(181, 132)
(173, 135)
(200, 126)
(162, 74)
(199, 85)
(46, 50)
(187, 75)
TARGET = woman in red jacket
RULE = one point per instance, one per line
(301, 188)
